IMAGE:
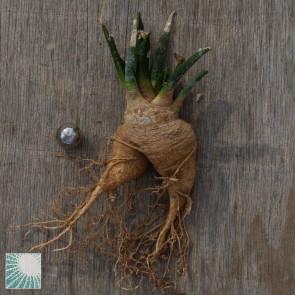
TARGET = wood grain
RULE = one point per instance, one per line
(55, 67)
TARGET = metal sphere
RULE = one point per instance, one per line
(68, 135)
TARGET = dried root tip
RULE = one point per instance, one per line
(72, 220)
(169, 22)
(69, 244)
(41, 246)
(177, 203)
(101, 20)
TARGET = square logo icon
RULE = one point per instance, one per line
(23, 271)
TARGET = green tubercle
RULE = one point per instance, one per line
(139, 26)
(143, 74)
(118, 61)
(187, 88)
(178, 73)
(157, 67)
(153, 84)
(142, 70)
(161, 79)
(132, 90)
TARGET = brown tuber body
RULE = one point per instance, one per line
(151, 132)
(156, 134)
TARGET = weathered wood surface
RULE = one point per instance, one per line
(55, 67)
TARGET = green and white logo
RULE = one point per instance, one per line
(23, 271)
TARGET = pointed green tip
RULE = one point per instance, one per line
(202, 74)
(140, 26)
(202, 51)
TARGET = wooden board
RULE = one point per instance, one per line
(55, 67)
